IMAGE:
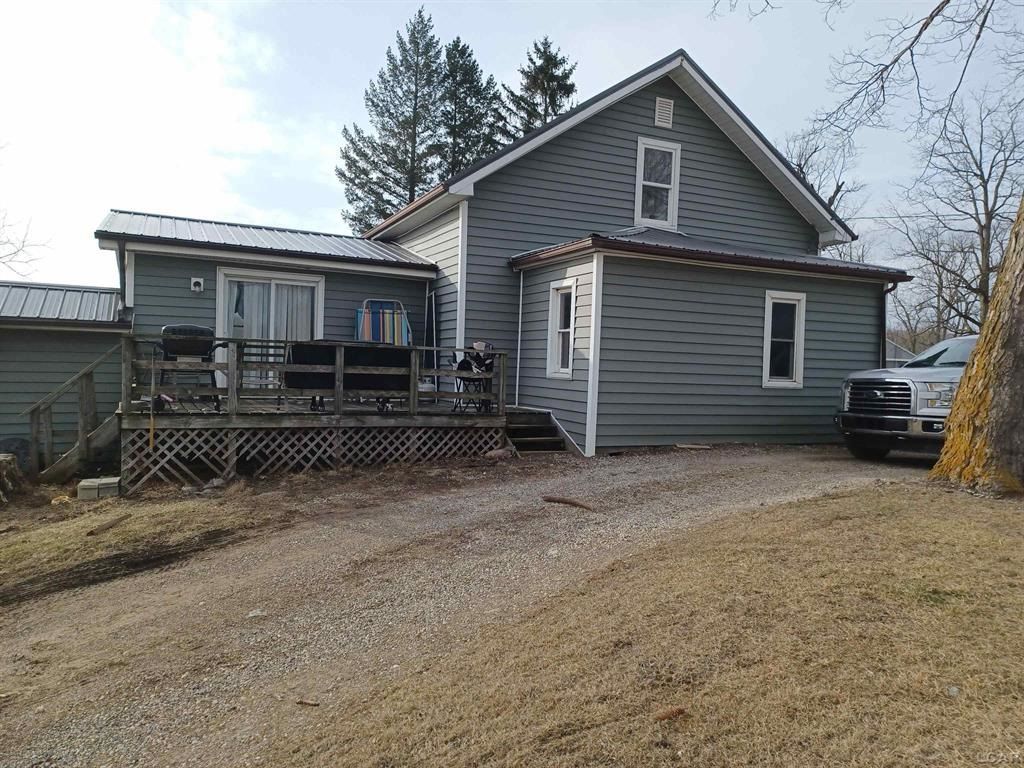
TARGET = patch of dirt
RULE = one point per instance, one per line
(44, 547)
(135, 559)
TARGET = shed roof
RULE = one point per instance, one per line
(221, 235)
(63, 304)
(658, 242)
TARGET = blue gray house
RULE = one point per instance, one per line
(649, 261)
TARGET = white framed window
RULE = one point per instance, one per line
(561, 328)
(657, 183)
(784, 319)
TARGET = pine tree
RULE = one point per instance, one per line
(391, 165)
(470, 113)
(545, 89)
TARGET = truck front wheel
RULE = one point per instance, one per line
(868, 450)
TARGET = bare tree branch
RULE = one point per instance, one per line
(953, 221)
(906, 61)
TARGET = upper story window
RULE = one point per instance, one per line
(657, 183)
(783, 364)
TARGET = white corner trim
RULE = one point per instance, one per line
(800, 300)
(129, 278)
(460, 300)
(226, 273)
(554, 288)
(519, 337)
(594, 372)
(642, 144)
(465, 186)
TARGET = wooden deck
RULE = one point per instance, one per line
(179, 427)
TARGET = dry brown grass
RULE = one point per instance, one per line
(869, 629)
(50, 542)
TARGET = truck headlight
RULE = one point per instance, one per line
(940, 393)
(844, 396)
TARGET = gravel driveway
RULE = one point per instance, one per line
(204, 663)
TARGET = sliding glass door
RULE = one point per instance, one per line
(268, 306)
(271, 309)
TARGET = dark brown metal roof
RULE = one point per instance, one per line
(657, 242)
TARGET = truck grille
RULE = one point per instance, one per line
(881, 397)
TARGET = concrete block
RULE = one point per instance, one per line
(99, 487)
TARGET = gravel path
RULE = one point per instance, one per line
(205, 663)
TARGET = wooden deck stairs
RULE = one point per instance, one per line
(533, 431)
(93, 435)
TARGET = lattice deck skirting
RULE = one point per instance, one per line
(192, 456)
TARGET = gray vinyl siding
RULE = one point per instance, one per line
(163, 295)
(33, 363)
(584, 181)
(565, 398)
(438, 240)
(682, 346)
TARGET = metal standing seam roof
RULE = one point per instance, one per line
(136, 226)
(648, 239)
(62, 303)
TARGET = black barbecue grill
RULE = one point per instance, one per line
(191, 342)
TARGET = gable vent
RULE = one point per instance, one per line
(663, 112)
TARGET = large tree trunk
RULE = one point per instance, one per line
(984, 433)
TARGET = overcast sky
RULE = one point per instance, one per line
(233, 111)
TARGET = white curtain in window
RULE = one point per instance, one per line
(249, 309)
(293, 312)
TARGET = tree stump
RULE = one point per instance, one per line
(11, 478)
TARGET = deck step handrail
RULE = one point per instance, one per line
(66, 387)
(40, 416)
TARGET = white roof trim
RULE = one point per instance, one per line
(285, 262)
(698, 88)
(766, 161)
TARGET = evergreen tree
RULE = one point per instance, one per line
(391, 165)
(545, 89)
(470, 113)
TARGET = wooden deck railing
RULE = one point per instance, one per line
(251, 378)
(40, 417)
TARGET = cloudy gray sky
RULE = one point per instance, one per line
(233, 111)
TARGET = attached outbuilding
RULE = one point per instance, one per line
(48, 334)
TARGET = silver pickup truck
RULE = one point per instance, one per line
(903, 408)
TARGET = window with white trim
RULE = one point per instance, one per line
(657, 183)
(561, 328)
(784, 315)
